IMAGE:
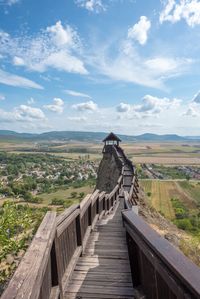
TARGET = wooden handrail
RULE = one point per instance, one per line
(169, 270)
(66, 213)
(30, 278)
(45, 270)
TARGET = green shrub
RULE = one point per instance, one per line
(184, 224)
(57, 202)
(73, 194)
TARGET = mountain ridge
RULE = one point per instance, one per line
(92, 136)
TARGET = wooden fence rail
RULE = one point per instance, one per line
(33, 278)
(46, 267)
(159, 268)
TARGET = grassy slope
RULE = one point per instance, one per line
(192, 189)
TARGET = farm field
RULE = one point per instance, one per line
(140, 152)
(192, 189)
(169, 160)
(63, 194)
(66, 195)
(160, 193)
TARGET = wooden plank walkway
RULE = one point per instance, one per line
(103, 271)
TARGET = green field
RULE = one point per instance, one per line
(61, 194)
(192, 189)
(177, 201)
(160, 193)
(65, 194)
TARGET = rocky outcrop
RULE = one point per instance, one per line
(108, 173)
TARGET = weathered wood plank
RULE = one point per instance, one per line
(28, 278)
(103, 271)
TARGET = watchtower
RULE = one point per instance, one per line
(110, 140)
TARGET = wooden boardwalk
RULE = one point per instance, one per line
(75, 255)
(103, 271)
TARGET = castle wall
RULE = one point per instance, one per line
(109, 172)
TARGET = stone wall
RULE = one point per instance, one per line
(108, 173)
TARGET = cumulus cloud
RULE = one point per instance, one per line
(155, 105)
(188, 10)
(76, 93)
(140, 30)
(57, 106)
(123, 107)
(96, 6)
(86, 106)
(61, 35)
(57, 47)
(18, 81)
(23, 113)
(149, 106)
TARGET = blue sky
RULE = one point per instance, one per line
(129, 66)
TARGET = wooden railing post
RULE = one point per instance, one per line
(54, 268)
(79, 231)
(134, 260)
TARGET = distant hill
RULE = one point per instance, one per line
(92, 136)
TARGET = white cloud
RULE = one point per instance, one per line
(86, 106)
(18, 61)
(150, 106)
(61, 35)
(62, 61)
(193, 108)
(191, 111)
(123, 107)
(57, 47)
(167, 65)
(130, 66)
(57, 106)
(188, 10)
(23, 113)
(76, 94)
(127, 64)
(77, 118)
(96, 6)
(140, 30)
(155, 105)
(18, 81)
